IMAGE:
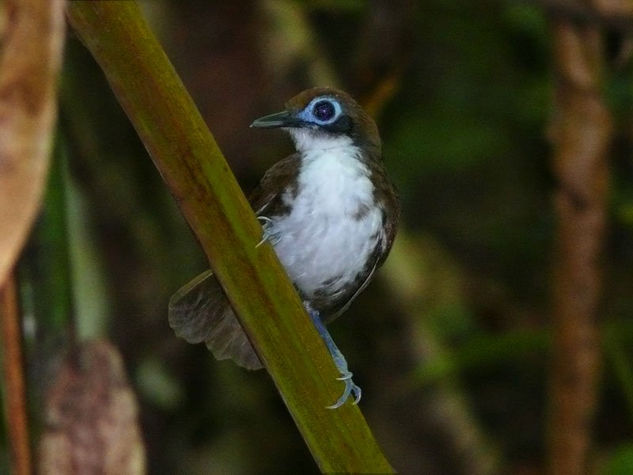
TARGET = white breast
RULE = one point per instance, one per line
(329, 234)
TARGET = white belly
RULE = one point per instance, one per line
(328, 236)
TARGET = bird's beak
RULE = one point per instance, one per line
(279, 119)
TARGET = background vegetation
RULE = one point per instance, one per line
(454, 341)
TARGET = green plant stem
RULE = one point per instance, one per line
(45, 291)
(199, 178)
(45, 269)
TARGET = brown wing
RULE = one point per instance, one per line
(386, 191)
(200, 312)
(266, 196)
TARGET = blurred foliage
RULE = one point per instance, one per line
(465, 139)
(620, 462)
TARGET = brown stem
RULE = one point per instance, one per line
(581, 134)
(13, 366)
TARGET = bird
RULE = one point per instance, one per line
(330, 212)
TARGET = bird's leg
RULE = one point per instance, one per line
(339, 361)
(267, 235)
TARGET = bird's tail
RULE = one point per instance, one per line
(200, 312)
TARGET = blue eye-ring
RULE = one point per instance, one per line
(322, 111)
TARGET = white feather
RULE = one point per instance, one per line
(323, 240)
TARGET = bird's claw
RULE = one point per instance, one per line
(345, 376)
(266, 235)
(350, 389)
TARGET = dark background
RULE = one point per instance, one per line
(451, 341)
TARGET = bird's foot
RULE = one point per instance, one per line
(339, 362)
(350, 389)
(266, 235)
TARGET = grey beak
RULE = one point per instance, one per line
(279, 119)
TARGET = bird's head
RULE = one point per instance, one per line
(324, 118)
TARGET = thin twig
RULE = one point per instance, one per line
(15, 388)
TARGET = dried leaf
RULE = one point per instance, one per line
(29, 62)
(91, 417)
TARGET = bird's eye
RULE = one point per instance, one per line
(323, 110)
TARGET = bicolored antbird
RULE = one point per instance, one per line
(330, 212)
